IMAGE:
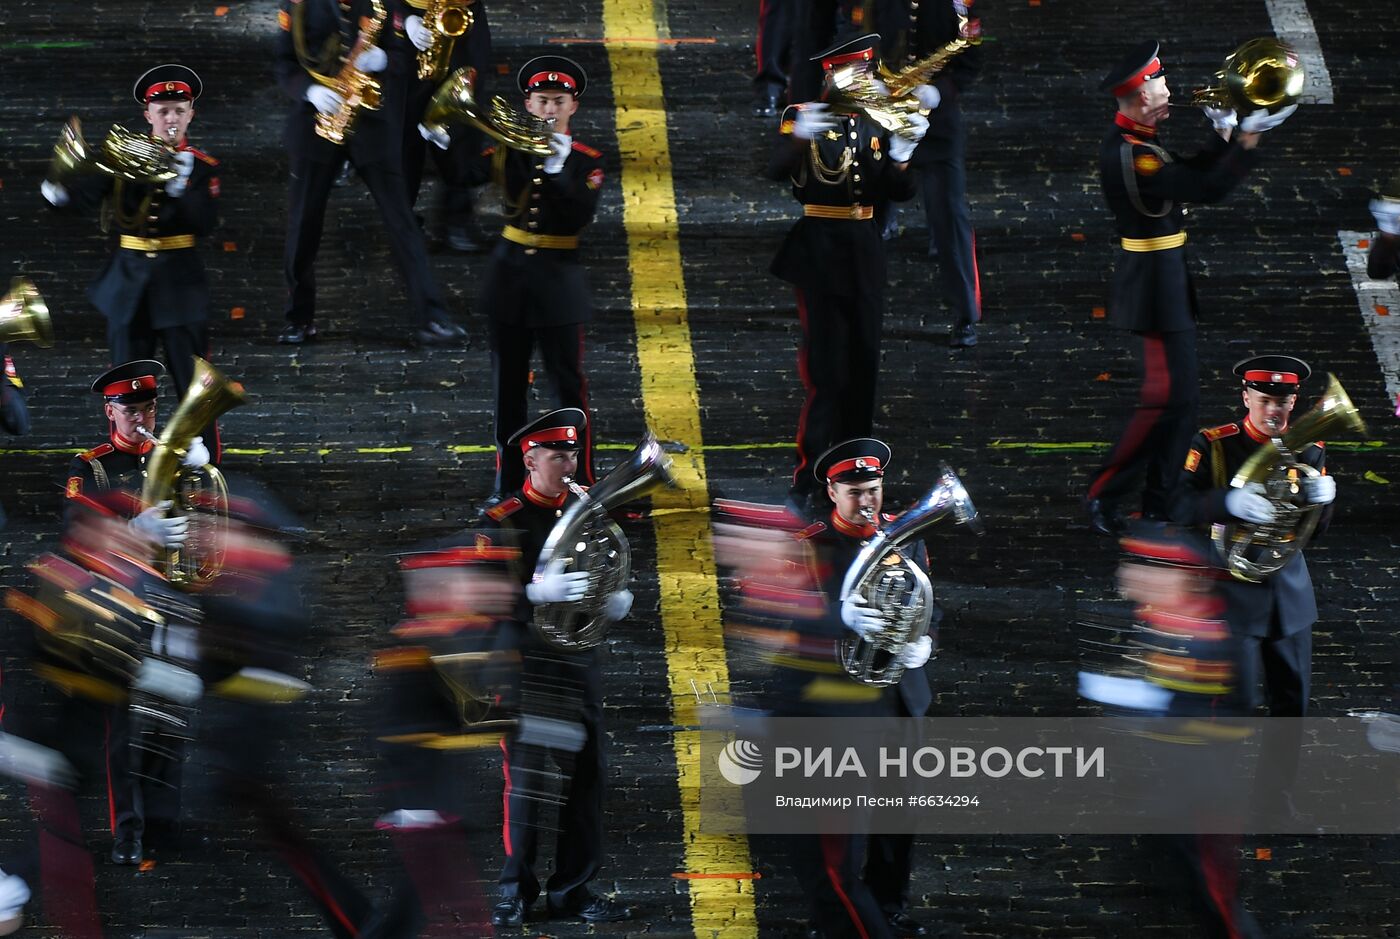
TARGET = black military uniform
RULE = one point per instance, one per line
(315, 36)
(914, 29)
(535, 292)
(573, 685)
(835, 259)
(454, 165)
(144, 783)
(14, 413)
(872, 870)
(1383, 259)
(154, 288)
(1152, 295)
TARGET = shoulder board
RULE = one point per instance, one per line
(1319, 444)
(815, 528)
(503, 509)
(1135, 141)
(203, 156)
(96, 452)
(586, 150)
(1224, 430)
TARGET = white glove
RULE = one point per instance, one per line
(929, 97)
(1221, 118)
(197, 455)
(168, 681)
(373, 59)
(1319, 490)
(617, 605)
(859, 618)
(1249, 506)
(1386, 211)
(165, 532)
(1262, 120)
(183, 164)
(901, 147)
(56, 195)
(440, 138)
(31, 762)
(418, 34)
(813, 119)
(559, 147)
(916, 654)
(554, 586)
(14, 894)
(323, 99)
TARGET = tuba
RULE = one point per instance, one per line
(124, 154)
(448, 20)
(1262, 73)
(201, 490)
(358, 90)
(1254, 552)
(24, 316)
(586, 539)
(896, 586)
(455, 103)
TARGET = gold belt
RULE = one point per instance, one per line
(851, 213)
(169, 243)
(531, 240)
(1155, 244)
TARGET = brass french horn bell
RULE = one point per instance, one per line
(24, 316)
(455, 103)
(124, 154)
(1262, 73)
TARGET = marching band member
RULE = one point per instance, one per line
(1152, 295)
(1384, 256)
(153, 289)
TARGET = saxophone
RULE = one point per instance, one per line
(448, 20)
(896, 586)
(358, 89)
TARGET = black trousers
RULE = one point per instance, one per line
(453, 164)
(829, 869)
(138, 340)
(1154, 442)
(144, 769)
(529, 772)
(308, 195)
(943, 189)
(561, 348)
(773, 44)
(1211, 867)
(1286, 663)
(839, 364)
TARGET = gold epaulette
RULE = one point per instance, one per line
(97, 451)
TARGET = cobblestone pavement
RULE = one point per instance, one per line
(378, 448)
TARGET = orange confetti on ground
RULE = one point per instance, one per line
(1382, 310)
(236, 313)
(1263, 854)
(503, 69)
(230, 246)
(1104, 376)
(1099, 312)
(1035, 3)
(1077, 236)
(1344, 171)
(220, 11)
(147, 866)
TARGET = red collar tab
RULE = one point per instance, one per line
(860, 462)
(1148, 72)
(136, 447)
(127, 386)
(1127, 123)
(542, 500)
(565, 434)
(1276, 378)
(855, 531)
(562, 79)
(170, 88)
(864, 55)
(1257, 435)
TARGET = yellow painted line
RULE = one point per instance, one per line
(690, 611)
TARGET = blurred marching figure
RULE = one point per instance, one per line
(1384, 257)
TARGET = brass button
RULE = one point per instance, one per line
(558, 513)
(531, 250)
(536, 180)
(534, 210)
(151, 254)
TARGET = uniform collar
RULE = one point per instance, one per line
(854, 531)
(541, 500)
(1257, 435)
(135, 448)
(1127, 123)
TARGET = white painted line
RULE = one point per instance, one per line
(1294, 25)
(1373, 296)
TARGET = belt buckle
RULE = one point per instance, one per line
(855, 212)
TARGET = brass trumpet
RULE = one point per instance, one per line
(455, 103)
(124, 154)
(24, 316)
(1262, 73)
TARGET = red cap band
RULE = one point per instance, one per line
(558, 78)
(1277, 378)
(169, 87)
(549, 435)
(127, 386)
(860, 462)
(864, 55)
(1147, 71)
